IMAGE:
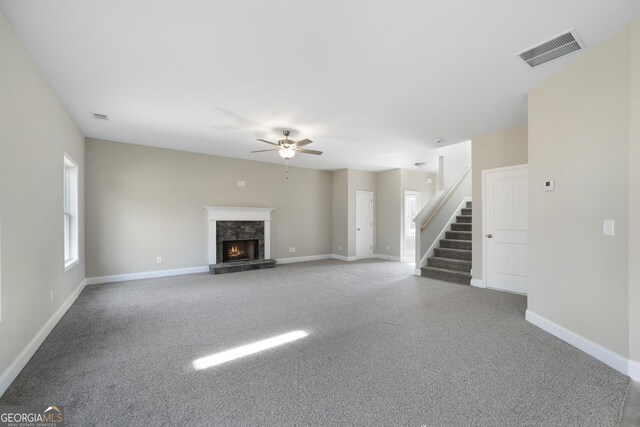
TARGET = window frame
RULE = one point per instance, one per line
(409, 231)
(70, 238)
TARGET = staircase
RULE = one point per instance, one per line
(451, 261)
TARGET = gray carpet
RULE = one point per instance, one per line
(384, 348)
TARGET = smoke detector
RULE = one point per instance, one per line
(556, 47)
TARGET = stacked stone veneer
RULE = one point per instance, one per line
(239, 230)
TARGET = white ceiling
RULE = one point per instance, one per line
(372, 83)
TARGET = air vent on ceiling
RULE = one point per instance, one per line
(100, 116)
(554, 48)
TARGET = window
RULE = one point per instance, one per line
(70, 212)
(411, 209)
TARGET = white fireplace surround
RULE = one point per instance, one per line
(228, 213)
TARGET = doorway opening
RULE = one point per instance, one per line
(411, 208)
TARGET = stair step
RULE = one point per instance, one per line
(446, 275)
(468, 205)
(460, 219)
(466, 211)
(458, 235)
(461, 227)
(452, 253)
(455, 244)
(449, 264)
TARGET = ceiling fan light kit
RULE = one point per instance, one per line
(287, 153)
(287, 148)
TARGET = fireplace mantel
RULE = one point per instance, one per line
(232, 213)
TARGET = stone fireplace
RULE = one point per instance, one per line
(239, 239)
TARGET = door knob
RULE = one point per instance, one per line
(489, 236)
(358, 229)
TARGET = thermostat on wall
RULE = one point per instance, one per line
(549, 185)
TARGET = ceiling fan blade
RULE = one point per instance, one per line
(309, 151)
(268, 142)
(262, 151)
(303, 142)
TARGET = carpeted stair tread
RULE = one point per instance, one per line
(458, 235)
(466, 211)
(460, 227)
(453, 253)
(449, 264)
(464, 219)
(455, 244)
(446, 275)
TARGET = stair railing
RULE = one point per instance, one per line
(432, 208)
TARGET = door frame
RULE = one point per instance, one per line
(484, 173)
(404, 218)
(355, 224)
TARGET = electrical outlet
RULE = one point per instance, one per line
(240, 183)
(51, 295)
(388, 247)
(159, 260)
(292, 249)
(339, 247)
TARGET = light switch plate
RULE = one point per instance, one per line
(240, 184)
(549, 185)
(608, 227)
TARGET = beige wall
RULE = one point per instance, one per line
(146, 202)
(35, 131)
(389, 213)
(495, 150)
(359, 181)
(579, 136)
(417, 181)
(634, 199)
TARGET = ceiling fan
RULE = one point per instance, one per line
(288, 148)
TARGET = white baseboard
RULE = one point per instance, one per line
(343, 258)
(478, 283)
(146, 275)
(633, 370)
(303, 258)
(603, 354)
(388, 257)
(21, 360)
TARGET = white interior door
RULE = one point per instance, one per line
(506, 228)
(364, 224)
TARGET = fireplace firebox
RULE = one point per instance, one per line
(240, 250)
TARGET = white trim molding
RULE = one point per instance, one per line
(292, 260)
(21, 360)
(388, 257)
(234, 213)
(478, 283)
(633, 370)
(146, 275)
(343, 258)
(603, 354)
